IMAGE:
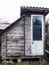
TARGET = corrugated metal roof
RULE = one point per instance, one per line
(33, 7)
(4, 26)
(40, 10)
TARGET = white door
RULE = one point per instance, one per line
(37, 35)
(33, 46)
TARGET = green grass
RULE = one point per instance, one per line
(26, 63)
(29, 63)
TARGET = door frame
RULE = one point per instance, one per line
(42, 31)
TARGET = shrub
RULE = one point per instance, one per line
(10, 62)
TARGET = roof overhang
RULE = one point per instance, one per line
(34, 10)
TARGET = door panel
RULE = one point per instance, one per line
(34, 52)
(40, 48)
(37, 29)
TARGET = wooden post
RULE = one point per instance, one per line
(40, 61)
(19, 60)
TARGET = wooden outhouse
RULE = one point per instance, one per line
(25, 38)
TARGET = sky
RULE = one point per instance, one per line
(10, 9)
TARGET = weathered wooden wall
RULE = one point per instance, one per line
(28, 35)
(3, 45)
(12, 40)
